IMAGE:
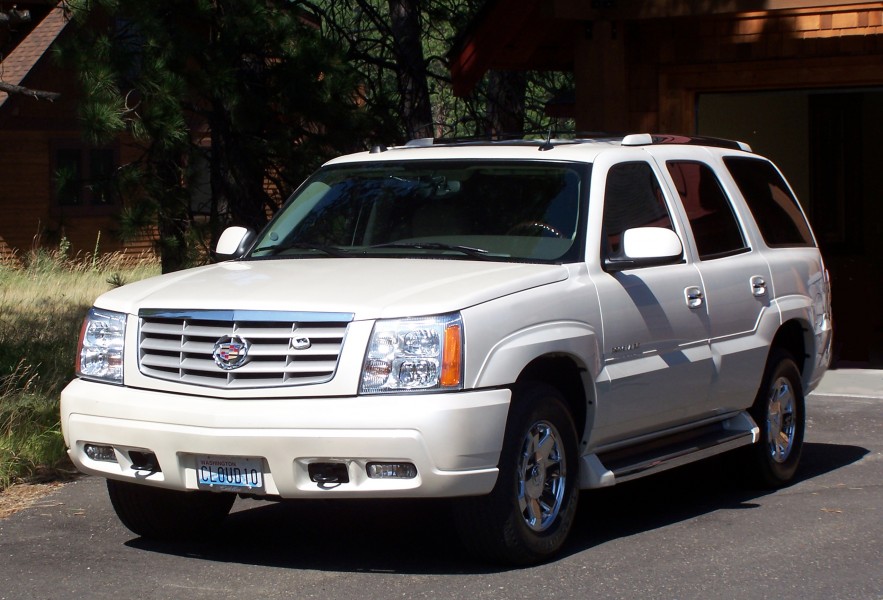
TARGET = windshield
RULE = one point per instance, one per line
(522, 211)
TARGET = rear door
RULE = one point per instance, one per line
(736, 276)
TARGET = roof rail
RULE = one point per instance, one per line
(646, 139)
(634, 139)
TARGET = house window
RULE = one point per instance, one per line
(68, 175)
(85, 176)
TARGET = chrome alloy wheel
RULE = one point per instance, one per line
(541, 476)
(780, 421)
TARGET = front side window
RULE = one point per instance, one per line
(521, 211)
(633, 198)
(715, 228)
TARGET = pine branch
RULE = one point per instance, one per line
(23, 91)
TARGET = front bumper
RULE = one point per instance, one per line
(454, 439)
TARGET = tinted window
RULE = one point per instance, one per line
(775, 210)
(715, 228)
(633, 198)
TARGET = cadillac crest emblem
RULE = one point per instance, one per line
(231, 352)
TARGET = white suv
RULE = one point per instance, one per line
(503, 324)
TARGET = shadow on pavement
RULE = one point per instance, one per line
(418, 536)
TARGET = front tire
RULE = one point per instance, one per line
(527, 516)
(780, 412)
(162, 514)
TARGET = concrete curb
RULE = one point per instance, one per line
(861, 383)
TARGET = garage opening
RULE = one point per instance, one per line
(828, 143)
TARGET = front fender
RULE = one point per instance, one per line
(510, 355)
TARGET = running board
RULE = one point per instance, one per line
(608, 468)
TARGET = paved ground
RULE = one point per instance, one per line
(853, 383)
(686, 534)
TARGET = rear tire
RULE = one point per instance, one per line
(780, 412)
(527, 516)
(162, 514)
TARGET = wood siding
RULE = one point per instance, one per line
(30, 133)
(670, 61)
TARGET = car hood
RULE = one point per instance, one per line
(366, 287)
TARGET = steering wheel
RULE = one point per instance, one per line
(543, 229)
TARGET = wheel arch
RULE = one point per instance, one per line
(795, 337)
(562, 354)
(565, 374)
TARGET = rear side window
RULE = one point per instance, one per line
(715, 228)
(633, 198)
(775, 210)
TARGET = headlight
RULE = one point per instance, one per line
(100, 353)
(414, 354)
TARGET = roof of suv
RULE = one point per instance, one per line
(580, 149)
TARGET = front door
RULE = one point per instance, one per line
(657, 365)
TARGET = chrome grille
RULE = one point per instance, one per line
(178, 346)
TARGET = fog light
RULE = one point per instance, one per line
(102, 453)
(392, 471)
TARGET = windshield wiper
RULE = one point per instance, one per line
(329, 250)
(468, 250)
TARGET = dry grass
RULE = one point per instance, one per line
(21, 496)
(43, 299)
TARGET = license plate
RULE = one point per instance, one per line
(230, 473)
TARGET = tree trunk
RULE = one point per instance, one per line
(411, 74)
(234, 184)
(506, 91)
(174, 215)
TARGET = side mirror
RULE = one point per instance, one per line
(646, 247)
(234, 242)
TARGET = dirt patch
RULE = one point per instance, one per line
(30, 491)
(23, 495)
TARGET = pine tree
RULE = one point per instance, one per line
(400, 49)
(249, 88)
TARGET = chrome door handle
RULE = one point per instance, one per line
(758, 286)
(694, 296)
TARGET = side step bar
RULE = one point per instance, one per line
(623, 464)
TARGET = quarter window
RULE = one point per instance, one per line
(775, 209)
(715, 228)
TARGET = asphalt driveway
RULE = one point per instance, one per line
(689, 533)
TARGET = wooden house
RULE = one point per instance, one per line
(800, 81)
(39, 139)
